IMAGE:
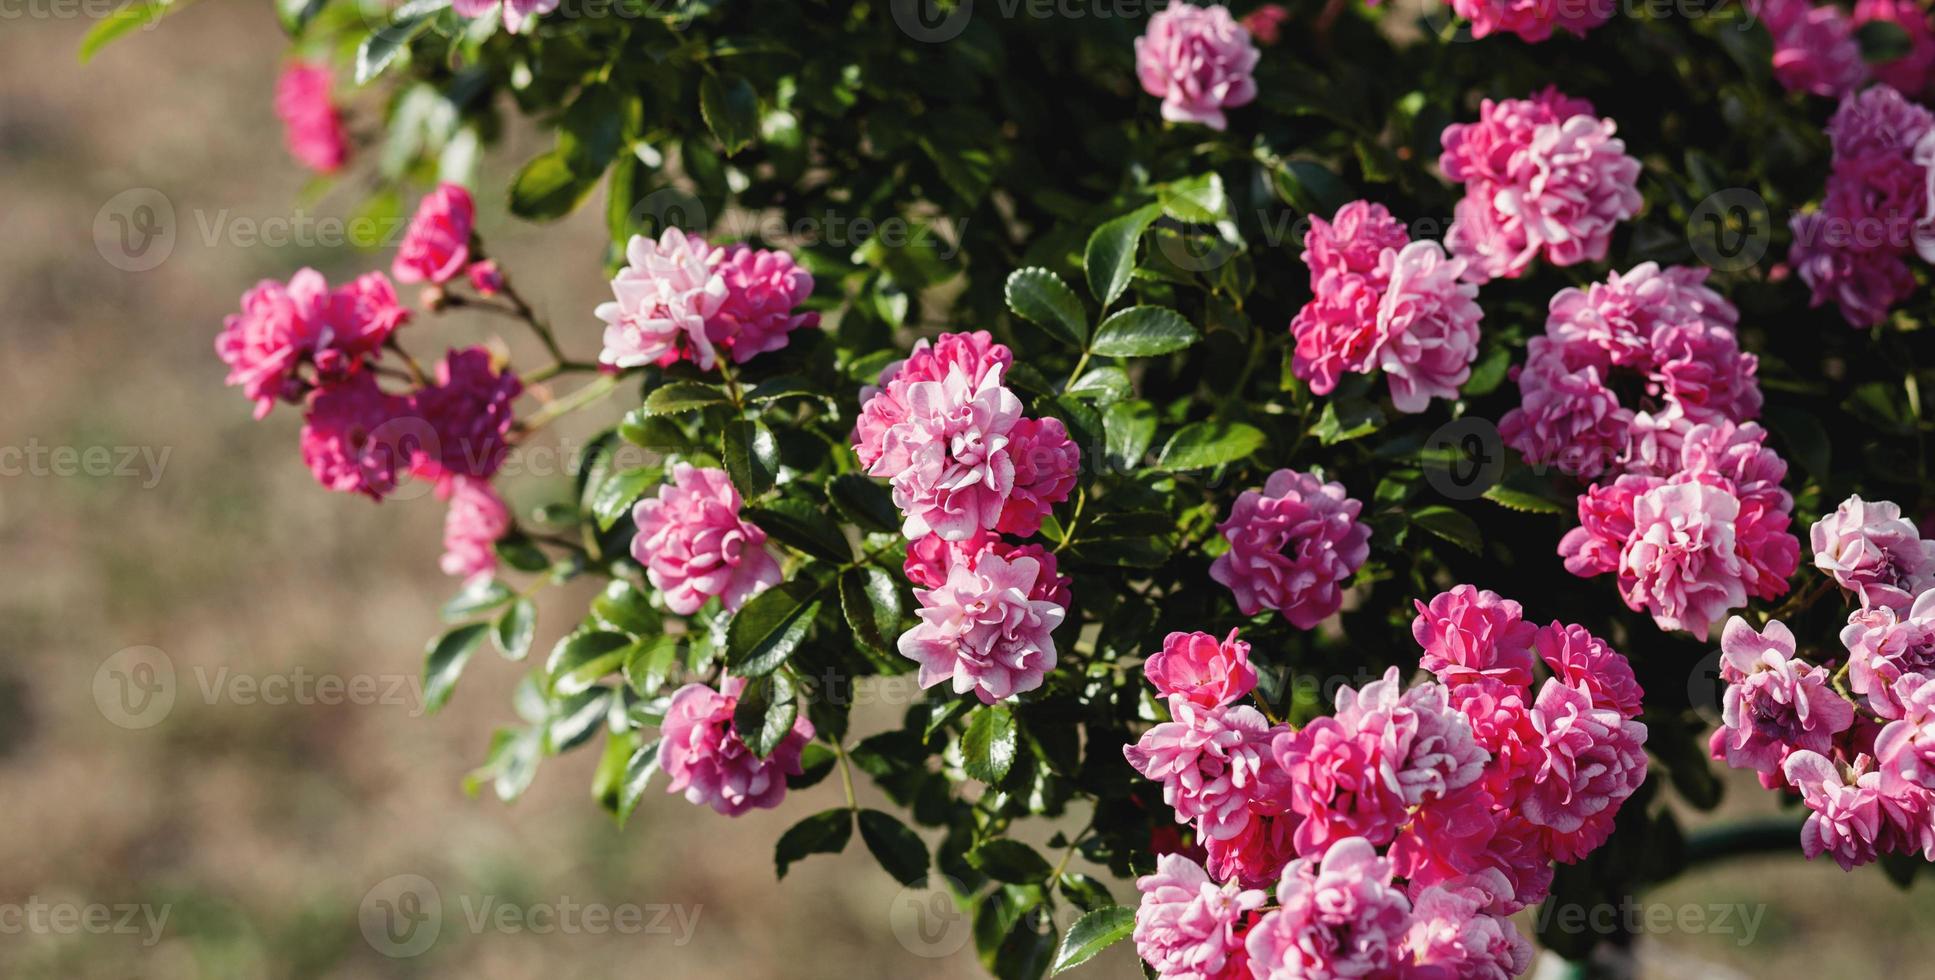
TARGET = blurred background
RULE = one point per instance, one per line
(292, 812)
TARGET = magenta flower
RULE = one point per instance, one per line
(1340, 917)
(436, 248)
(1265, 23)
(711, 764)
(1255, 856)
(1198, 61)
(1909, 74)
(884, 406)
(1197, 668)
(1541, 175)
(1853, 249)
(1905, 748)
(1353, 241)
(1845, 818)
(1213, 763)
(468, 413)
(663, 298)
(351, 437)
(476, 519)
(1886, 647)
(1680, 564)
(1292, 547)
(1046, 462)
(1427, 327)
(948, 459)
(1453, 937)
(763, 288)
(1340, 783)
(519, 15)
(1814, 47)
(982, 631)
(285, 328)
(312, 127)
(1532, 20)
(1188, 927)
(1582, 660)
(1500, 716)
(694, 545)
(1337, 330)
(485, 277)
(1593, 761)
(1775, 703)
(932, 558)
(1467, 633)
(1872, 551)
(1425, 749)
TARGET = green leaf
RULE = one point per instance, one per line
(1451, 525)
(1105, 384)
(766, 711)
(639, 771)
(383, 45)
(898, 849)
(681, 396)
(1130, 428)
(520, 553)
(295, 15)
(751, 456)
(1043, 299)
(1344, 419)
(648, 663)
(444, 662)
(624, 606)
(1087, 893)
(988, 746)
(767, 630)
(477, 597)
(1024, 953)
(1520, 500)
(132, 17)
(730, 109)
(616, 495)
(801, 525)
(515, 627)
(1198, 200)
(870, 599)
(548, 188)
(1143, 331)
(1311, 187)
(1093, 933)
(826, 832)
(641, 428)
(816, 761)
(1109, 259)
(864, 502)
(1010, 861)
(583, 658)
(576, 719)
(1201, 445)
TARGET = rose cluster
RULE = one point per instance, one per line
(1815, 49)
(966, 467)
(1467, 787)
(681, 298)
(1854, 735)
(707, 759)
(1853, 249)
(1293, 546)
(1536, 20)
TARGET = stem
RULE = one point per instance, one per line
(846, 775)
(586, 395)
(1762, 835)
(556, 368)
(1080, 363)
(732, 384)
(416, 370)
(1069, 854)
(530, 316)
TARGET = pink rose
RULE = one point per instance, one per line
(948, 459)
(284, 328)
(1453, 937)
(1255, 856)
(982, 631)
(1188, 927)
(1198, 61)
(1427, 327)
(1532, 20)
(1265, 23)
(468, 412)
(351, 437)
(763, 288)
(1873, 552)
(1582, 660)
(1339, 917)
(1292, 547)
(1775, 703)
(1046, 463)
(1214, 765)
(436, 248)
(485, 277)
(1197, 668)
(1337, 330)
(1814, 47)
(1886, 647)
(711, 764)
(312, 128)
(1845, 818)
(1469, 633)
(883, 406)
(663, 298)
(694, 545)
(1910, 73)
(932, 558)
(476, 519)
(1593, 761)
(519, 15)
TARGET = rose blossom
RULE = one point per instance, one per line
(1853, 249)
(1255, 856)
(1775, 703)
(485, 277)
(982, 631)
(1872, 551)
(1427, 327)
(1532, 20)
(348, 439)
(711, 764)
(1292, 546)
(436, 248)
(1197, 668)
(1885, 647)
(762, 290)
(1213, 764)
(1453, 938)
(1582, 660)
(884, 405)
(1467, 633)
(518, 14)
(1680, 564)
(662, 299)
(1910, 73)
(1198, 61)
(1340, 917)
(1186, 926)
(1814, 46)
(1336, 331)
(469, 412)
(694, 545)
(930, 559)
(1354, 240)
(1046, 462)
(283, 328)
(1845, 819)
(948, 459)
(1341, 775)
(312, 128)
(1593, 761)
(476, 519)
(1426, 750)
(1266, 22)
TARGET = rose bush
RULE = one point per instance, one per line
(993, 345)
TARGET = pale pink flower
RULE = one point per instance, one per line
(1885, 647)
(1046, 462)
(312, 127)
(1680, 565)
(519, 15)
(476, 519)
(1593, 761)
(350, 437)
(1425, 748)
(1427, 326)
(1214, 765)
(1567, 419)
(1467, 632)
(1582, 660)
(1339, 783)
(1340, 917)
(1905, 748)
(1453, 937)
(710, 762)
(1814, 47)
(1197, 668)
(436, 248)
(948, 460)
(982, 631)
(1198, 61)
(883, 405)
(1910, 73)
(1775, 703)
(1872, 551)
(468, 413)
(763, 290)
(1533, 20)
(1845, 818)
(1187, 926)
(694, 545)
(932, 558)
(1293, 546)
(1605, 525)
(663, 298)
